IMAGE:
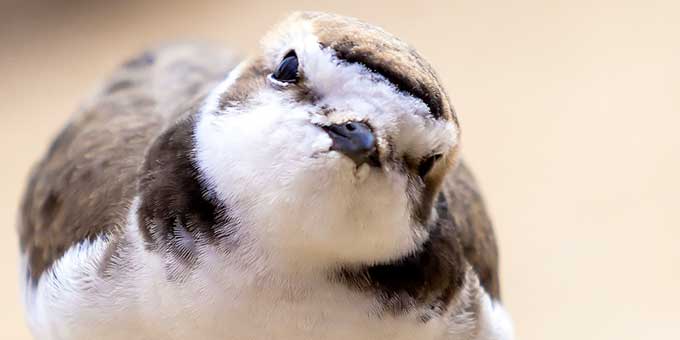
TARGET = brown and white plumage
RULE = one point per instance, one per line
(194, 198)
(83, 187)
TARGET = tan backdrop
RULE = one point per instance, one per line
(570, 114)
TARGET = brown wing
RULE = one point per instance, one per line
(473, 225)
(86, 181)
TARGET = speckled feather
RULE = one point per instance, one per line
(84, 185)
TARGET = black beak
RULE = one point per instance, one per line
(356, 141)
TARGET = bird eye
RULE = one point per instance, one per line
(287, 71)
(427, 164)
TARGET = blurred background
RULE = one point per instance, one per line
(570, 113)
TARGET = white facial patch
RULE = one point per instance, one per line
(298, 203)
(356, 93)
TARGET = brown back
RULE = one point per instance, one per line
(84, 185)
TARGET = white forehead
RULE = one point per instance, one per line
(353, 92)
(331, 79)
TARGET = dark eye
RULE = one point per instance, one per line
(287, 71)
(427, 164)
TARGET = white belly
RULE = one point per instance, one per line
(220, 300)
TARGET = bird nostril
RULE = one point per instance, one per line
(356, 140)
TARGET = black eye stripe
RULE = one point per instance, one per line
(287, 71)
(426, 165)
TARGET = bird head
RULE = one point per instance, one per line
(330, 144)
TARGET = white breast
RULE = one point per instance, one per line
(220, 299)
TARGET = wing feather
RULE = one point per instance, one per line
(473, 226)
(83, 186)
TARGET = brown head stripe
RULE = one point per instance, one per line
(348, 51)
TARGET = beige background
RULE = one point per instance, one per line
(570, 113)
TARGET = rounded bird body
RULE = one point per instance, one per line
(311, 191)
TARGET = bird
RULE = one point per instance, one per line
(311, 190)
